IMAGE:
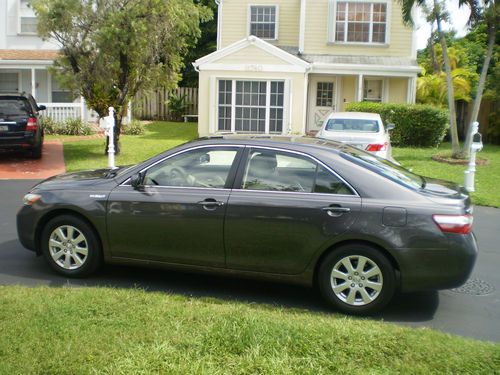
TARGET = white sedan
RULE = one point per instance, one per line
(359, 129)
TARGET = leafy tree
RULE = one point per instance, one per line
(111, 49)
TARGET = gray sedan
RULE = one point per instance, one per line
(300, 210)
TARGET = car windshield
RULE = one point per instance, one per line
(14, 107)
(352, 125)
(383, 167)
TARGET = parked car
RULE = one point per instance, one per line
(359, 129)
(293, 209)
(20, 127)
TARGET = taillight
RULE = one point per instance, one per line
(454, 223)
(32, 124)
(377, 147)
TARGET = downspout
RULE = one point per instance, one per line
(219, 23)
(302, 26)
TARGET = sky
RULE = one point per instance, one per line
(458, 19)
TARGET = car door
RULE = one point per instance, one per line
(177, 216)
(286, 206)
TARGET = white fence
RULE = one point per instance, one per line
(61, 112)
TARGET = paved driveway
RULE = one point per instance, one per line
(21, 166)
(476, 316)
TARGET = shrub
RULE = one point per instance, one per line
(134, 128)
(69, 127)
(416, 124)
(76, 126)
(177, 106)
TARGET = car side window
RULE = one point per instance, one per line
(328, 183)
(204, 167)
(278, 171)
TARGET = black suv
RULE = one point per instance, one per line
(20, 126)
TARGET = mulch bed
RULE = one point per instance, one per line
(445, 158)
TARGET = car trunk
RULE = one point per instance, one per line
(446, 192)
(360, 141)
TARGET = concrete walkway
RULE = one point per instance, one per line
(20, 165)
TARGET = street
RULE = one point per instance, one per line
(472, 311)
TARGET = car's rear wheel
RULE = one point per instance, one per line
(71, 246)
(36, 153)
(357, 279)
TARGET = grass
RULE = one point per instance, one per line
(487, 176)
(113, 331)
(159, 136)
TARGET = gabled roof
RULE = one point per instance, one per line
(258, 43)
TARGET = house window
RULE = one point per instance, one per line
(60, 94)
(263, 21)
(361, 22)
(27, 18)
(251, 106)
(372, 90)
(324, 94)
(9, 82)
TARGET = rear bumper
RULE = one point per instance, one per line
(434, 269)
(30, 140)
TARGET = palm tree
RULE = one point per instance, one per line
(490, 14)
(439, 16)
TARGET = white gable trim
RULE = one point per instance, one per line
(212, 58)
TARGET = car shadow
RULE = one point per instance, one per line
(19, 266)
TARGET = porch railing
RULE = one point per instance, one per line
(61, 112)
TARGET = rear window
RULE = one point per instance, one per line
(352, 125)
(14, 107)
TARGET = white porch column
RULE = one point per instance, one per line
(49, 86)
(33, 83)
(82, 109)
(360, 89)
(412, 90)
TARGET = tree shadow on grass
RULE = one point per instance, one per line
(178, 131)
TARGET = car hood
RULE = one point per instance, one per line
(80, 179)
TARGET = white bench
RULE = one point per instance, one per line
(187, 117)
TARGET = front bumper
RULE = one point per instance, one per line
(435, 269)
(26, 227)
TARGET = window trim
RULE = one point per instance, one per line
(238, 181)
(286, 103)
(332, 18)
(276, 22)
(383, 89)
(19, 17)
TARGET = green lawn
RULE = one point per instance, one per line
(487, 176)
(161, 136)
(115, 331)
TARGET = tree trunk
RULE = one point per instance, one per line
(455, 144)
(435, 64)
(492, 30)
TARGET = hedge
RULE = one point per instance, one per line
(416, 124)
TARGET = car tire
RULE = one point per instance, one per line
(71, 246)
(36, 153)
(361, 289)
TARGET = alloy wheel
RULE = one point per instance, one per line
(68, 247)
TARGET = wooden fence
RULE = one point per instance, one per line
(154, 105)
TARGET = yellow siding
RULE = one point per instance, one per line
(348, 94)
(235, 20)
(251, 55)
(398, 90)
(297, 90)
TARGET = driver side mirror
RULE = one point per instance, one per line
(42, 108)
(390, 127)
(136, 180)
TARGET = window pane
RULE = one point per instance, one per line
(324, 94)
(263, 21)
(372, 90)
(279, 171)
(225, 98)
(328, 183)
(361, 17)
(29, 24)
(206, 168)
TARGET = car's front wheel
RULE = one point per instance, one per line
(71, 246)
(357, 279)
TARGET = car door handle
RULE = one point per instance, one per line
(212, 203)
(336, 211)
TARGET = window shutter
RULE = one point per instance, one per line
(331, 21)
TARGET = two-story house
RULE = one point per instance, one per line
(282, 66)
(25, 59)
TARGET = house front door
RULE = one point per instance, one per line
(322, 100)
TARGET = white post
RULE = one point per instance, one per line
(111, 130)
(475, 147)
(33, 83)
(82, 109)
(129, 112)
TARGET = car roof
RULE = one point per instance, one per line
(356, 115)
(14, 94)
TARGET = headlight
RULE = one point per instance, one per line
(30, 199)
